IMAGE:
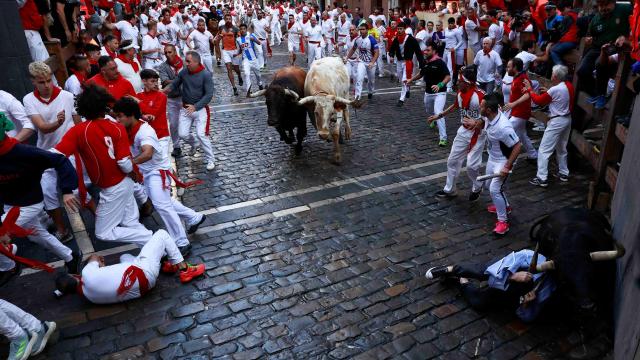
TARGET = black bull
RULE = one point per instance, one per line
(283, 110)
(580, 253)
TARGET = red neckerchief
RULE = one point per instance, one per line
(177, 64)
(289, 25)
(7, 144)
(54, 94)
(304, 22)
(200, 68)
(133, 64)
(131, 133)
(401, 37)
(166, 23)
(129, 278)
(82, 77)
(110, 53)
(486, 52)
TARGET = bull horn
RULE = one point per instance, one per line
(534, 260)
(608, 255)
(545, 266)
(306, 99)
(343, 100)
(292, 93)
(258, 93)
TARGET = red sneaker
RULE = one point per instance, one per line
(169, 268)
(191, 272)
(492, 209)
(502, 227)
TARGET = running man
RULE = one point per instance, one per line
(247, 44)
(228, 35)
(368, 53)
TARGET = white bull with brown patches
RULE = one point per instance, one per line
(326, 91)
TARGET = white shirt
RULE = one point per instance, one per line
(487, 65)
(201, 41)
(421, 36)
(194, 19)
(154, 14)
(168, 34)
(147, 136)
(259, 28)
(496, 32)
(343, 30)
(560, 100)
(527, 58)
(294, 38)
(472, 31)
(499, 130)
(14, 110)
(453, 39)
(314, 33)
(49, 113)
(127, 31)
(100, 284)
(328, 29)
(128, 73)
(144, 20)
(376, 17)
(73, 85)
(151, 60)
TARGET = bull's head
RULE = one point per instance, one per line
(579, 249)
(325, 106)
(277, 99)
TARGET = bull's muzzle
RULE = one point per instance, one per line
(323, 134)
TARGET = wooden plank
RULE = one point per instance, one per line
(621, 133)
(611, 177)
(585, 148)
(584, 104)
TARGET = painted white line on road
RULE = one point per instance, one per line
(237, 104)
(241, 109)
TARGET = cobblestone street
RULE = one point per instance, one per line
(309, 260)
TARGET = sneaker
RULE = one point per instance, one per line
(64, 238)
(185, 250)
(169, 268)
(218, 63)
(210, 165)
(601, 103)
(240, 82)
(369, 96)
(191, 272)
(193, 228)
(502, 227)
(445, 195)
(46, 330)
(562, 177)
(20, 349)
(235, 91)
(408, 94)
(177, 152)
(73, 265)
(536, 181)
(593, 99)
(436, 272)
(475, 195)
(400, 103)
(539, 128)
(492, 209)
(260, 87)
(433, 124)
(443, 143)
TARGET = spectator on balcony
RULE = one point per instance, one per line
(65, 20)
(569, 37)
(33, 14)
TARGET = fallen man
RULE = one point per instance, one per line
(132, 277)
(510, 284)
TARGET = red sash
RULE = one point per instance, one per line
(82, 188)
(207, 128)
(179, 183)
(129, 278)
(10, 228)
(7, 144)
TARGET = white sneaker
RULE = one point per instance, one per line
(194, 150)
(210, 165)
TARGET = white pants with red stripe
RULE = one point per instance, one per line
(15, 322)
(199, 119)
(148, 259)
(174, 105)
(434, 104)
(555, 138)
(520, 127)
(29, 219)
(117, 217)
(496, 188)
(170, 210)
(459, 152)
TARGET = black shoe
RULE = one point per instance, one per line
(539, 182)
(193, 228)
(260, 87)
(408, 94)
(73, 266)
(369, 96)
(400, 103)
(445, 195)
(235, 91)
(219, 63)
(436, 272)
(5, 276)
(240, 82)
(185, 250)
(474, 195)
(561, 177)
(177, 152)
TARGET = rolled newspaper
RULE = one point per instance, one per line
(489, 176)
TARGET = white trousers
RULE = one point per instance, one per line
(328, 48)
(520, 127)
(173, 112)
(459, 152)
(555, 138)
(117, 217)
(199, 120)
(262, 52)
(401, 73)
(276, 33)
(459, 58)
(496, 188)
(14, 321)
(36, 46)
(170, 210)
(140, 194)
(7, 264)
(434, 104)
(249, 67)
(314, 52)
(207, 61)
(352, 69)
(30, 219)
(50, 189)
(380, 60)
(363, 70)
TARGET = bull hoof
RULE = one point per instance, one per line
(347, 134)
(337, 159)
(298, 149)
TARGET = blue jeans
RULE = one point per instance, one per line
(559, 49)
